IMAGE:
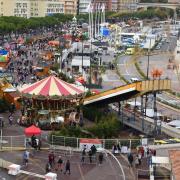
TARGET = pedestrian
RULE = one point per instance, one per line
(136, 161)
(48, 167)
(100, 158)
(51, 158)
(33, 139)
(83, 155)
(10, 119)
(93, 149)
(60, 164)
(67, 167)
(130, 159)
(39, 145)
(26, 157)
(139, 158)
(90, 156)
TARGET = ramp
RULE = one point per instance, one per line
(128, 91)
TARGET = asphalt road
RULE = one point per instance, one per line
(128, 70)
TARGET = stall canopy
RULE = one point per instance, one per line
(52, 86)
(32, 130)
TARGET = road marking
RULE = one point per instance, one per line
(81, 173)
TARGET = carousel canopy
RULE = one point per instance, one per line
(32, 130)
(52, 86)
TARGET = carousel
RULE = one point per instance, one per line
(51, 101)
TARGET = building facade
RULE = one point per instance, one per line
(125, 5)
(174, 1)
(36, 8)
(83, 4)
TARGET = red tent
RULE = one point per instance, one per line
(32, 130)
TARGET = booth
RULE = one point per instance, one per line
(32, 130)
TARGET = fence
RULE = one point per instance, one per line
(13, 142)
(19, 142)
(73, 142)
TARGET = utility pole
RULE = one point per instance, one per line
(147, 74)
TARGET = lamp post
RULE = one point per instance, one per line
(61, 46)
(147, 74)
(1, 126)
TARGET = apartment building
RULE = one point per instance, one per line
(174, 1)
(125, 5)
(36, 8)
(83, 4)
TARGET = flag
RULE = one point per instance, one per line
(103, 7)
(88, 8)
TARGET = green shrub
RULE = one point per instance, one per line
(4, 106)
(107, 127)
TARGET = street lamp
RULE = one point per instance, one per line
(147, 73)
(61, 47)
(1, 126)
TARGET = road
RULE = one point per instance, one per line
(128, 70)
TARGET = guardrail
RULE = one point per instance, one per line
(4, 164)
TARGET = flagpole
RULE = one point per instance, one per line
(99, 14)
(92, 28)
(95, 27)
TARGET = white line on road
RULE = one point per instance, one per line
(81, 173)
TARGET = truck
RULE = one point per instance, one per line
(130, 51)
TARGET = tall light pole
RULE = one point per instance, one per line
(147, 73)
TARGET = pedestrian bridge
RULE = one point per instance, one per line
(163, 5)
(128, 91)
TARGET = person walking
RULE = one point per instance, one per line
(10, 119)
(83, 155)
(130, 159)
(25, 158)
(60, 164)
(48, 167)
(90, 156)
(100, 158)
(51, 158)
(67, 167)
(136, 161)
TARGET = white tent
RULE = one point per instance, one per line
(175, 123)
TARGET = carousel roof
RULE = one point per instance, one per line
(52, 86)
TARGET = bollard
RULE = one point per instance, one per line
(51, 176)
(14, 169)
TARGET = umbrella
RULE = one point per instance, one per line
(32, 130)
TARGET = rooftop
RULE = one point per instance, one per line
(175, 162)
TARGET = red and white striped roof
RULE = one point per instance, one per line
(52, 86)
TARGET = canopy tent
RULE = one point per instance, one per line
(52, 86)
(32, 130)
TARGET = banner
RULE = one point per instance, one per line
(87, 143)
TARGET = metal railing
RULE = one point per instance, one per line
(13, 142)
(73, 142)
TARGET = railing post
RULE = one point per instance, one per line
(11, 143)
(77, 139)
